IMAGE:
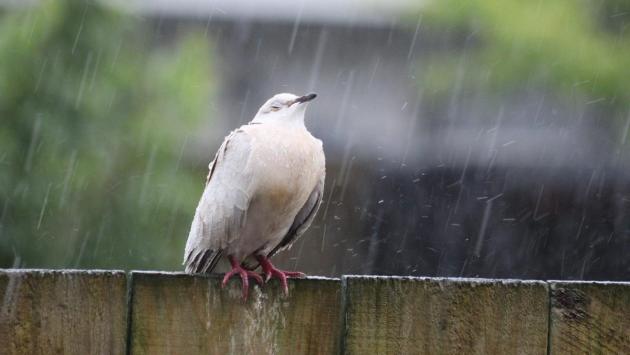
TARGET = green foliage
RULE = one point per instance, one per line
(94, 121)
(571, 47)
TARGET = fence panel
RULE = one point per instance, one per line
(182, 314)
(62, 312)
(395, 315)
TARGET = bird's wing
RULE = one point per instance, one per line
(222, 210)
(303, 219)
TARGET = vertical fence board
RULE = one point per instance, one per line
(62, 312)
(390, 315)
(181, 314)
(590, 318)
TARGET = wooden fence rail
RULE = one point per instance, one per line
(111, 312)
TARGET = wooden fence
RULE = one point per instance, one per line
(111, 312)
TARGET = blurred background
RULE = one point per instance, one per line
(482, 138)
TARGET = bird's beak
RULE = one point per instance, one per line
(305, 98)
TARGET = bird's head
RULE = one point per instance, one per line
(284, 107)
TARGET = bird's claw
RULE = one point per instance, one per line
(271, 271)
(244, 274)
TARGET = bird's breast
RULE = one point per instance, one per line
(288, 167)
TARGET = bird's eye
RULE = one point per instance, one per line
(275, 108)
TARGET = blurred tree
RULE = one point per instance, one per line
(93, 125)
(570, 47)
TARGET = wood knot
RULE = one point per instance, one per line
(572, 304)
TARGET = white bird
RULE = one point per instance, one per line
(262, 192)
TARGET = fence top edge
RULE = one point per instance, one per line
(116, 272)
(64, 272)
(587, 282)
(213, 275)
(468, 280)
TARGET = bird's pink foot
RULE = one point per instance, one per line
(244, 274)
(270, 271)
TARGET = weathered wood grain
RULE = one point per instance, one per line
(85, 312)
(183, 314)
(62, 312)
(590, 318)
(386, 315)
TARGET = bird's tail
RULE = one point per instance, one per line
(198, 258)
(202, 261)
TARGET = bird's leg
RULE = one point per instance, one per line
(270, 271)
(245, 274)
